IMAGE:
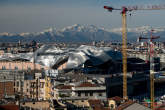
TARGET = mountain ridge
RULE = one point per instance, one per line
(81, 33)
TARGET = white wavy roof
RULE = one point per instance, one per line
(50, 55)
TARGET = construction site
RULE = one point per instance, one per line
(87, 76)
(149, 50)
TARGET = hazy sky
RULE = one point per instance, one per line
(36, 15)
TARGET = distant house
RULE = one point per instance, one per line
(19, 64)
(129, 105)
(37, 89)
(63, 91)
(9, 107)
(117, 103)
(89, 90)
(96, 104)
(6, 89)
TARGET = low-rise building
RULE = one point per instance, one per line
(20, 64)
(62, 91)
(37, 105)
(6, 89)
(89, 90)
(38, 89)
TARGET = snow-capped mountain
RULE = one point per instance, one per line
(80, 33)
(145, 31)
(142, 29)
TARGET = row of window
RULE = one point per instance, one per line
(16, 68)
(88, 94)
(18, 84)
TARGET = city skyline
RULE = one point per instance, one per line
(34, 16)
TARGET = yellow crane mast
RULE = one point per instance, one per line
(124, 47)
(124, 53)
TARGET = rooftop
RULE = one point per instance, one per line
(130, 105)
(9, 107)
(97, 105)
(87, 84)
(64, 87)
(116, 98)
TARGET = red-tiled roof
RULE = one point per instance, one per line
(64, 87)
(116, 98)
(9, 107)
(94, 102)
(87, 84)
(97, 105)
(125, 105)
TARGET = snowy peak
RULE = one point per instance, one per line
(81, 28)
(142, 29)
(80, 33)
(6, 34)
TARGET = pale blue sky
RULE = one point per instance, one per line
(36, 15)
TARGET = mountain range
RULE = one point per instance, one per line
(83, 33)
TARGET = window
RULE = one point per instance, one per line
(17, 83)
(42, 69)
(86, 94)
(28, 68)
(100, 94)
(22, 83)
(3, 67)
(79, 94)
(16, 68)
(42, 85)
(91, 93)
(112, 106)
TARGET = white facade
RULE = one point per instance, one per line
(89, 92)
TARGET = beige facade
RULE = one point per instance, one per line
(44, 105)
(26, 88)
(2, 52)
(37, 88)
(89, 90)
(34, 89)
(79, 103)
(18, 86)
(20, 65)
(48, 89)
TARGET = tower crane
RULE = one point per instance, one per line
(148, 44)
(151, 54)
(124, 10)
